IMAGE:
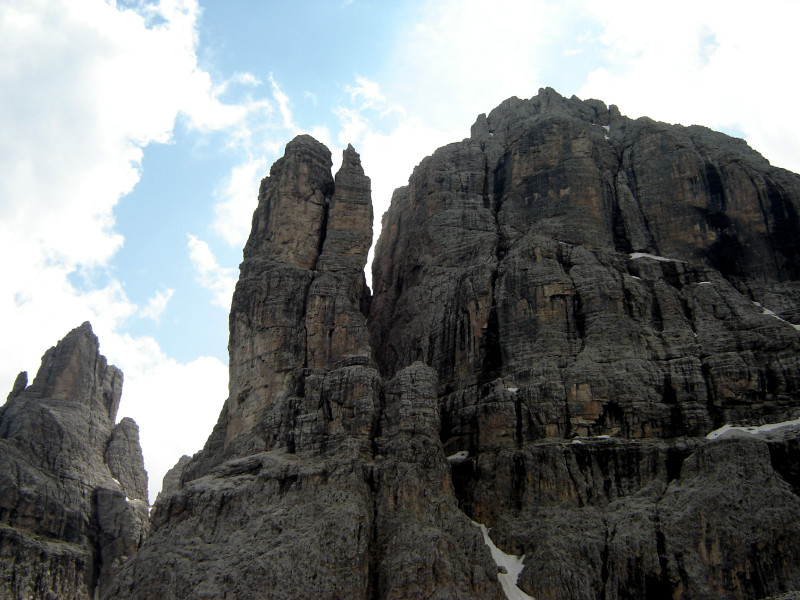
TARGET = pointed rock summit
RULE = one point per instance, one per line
(73, 489)
(292, 471)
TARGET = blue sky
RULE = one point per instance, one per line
(133, 136)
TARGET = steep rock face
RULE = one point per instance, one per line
(566, 304)
(298, 493)
(73, 490)
(525, 253)
(589, 288)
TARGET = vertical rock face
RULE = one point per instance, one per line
(73, 490)
(595, 295)
(285, 500)
(565, 305)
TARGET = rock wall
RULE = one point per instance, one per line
(73, 489)
(566, 303)
(303, 488)
(596, 294)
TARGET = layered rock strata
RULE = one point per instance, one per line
(304, 488)
(595, 295)
(73, 489)
(566, 303)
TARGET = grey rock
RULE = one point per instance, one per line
(65, 524)
(570, 273)
(566, 303)
(124, 459)
(172, 479)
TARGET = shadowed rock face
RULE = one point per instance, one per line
(73, 489)
(565, 305)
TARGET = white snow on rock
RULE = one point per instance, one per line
(767, 311)
(606, 127)
(458, 456)
(512, 565)
(513, 390)
(728, 431)
(636, 255)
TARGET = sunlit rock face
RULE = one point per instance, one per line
(565, 304)
(73, 489)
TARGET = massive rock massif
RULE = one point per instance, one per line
(565, 304)
(73, 489)
(595, 295)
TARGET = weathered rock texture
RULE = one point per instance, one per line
(316, 482)
(73, 489)
(570, 273)
(565, 303)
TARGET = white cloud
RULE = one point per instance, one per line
(711, 63)
(459, 58)
(283, 105)
(220, 281)
(239, 196)
(175, 404)
(86, 86)
(156, 305)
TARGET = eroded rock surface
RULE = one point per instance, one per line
(301, 490)
(566, 303)
(73, 489)
(596, 294)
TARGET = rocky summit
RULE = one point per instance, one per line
(73, 489)
(577, 377)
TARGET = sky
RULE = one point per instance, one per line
(134, 134)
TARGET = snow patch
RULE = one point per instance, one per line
(728, 431)
(576, 442)
(117, 481)
(703, 283)
(513, 390)
(458, 456)
(606, 137)
(636, 255)
(512, 565)
(606, 127)
(767, 311)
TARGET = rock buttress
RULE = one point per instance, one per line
(73, 489)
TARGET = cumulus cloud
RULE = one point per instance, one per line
(175, 404)
(87, 85)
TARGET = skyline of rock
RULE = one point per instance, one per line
(565, 304)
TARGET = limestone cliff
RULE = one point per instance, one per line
(566, 303)
(318, 481)
(73, 489)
